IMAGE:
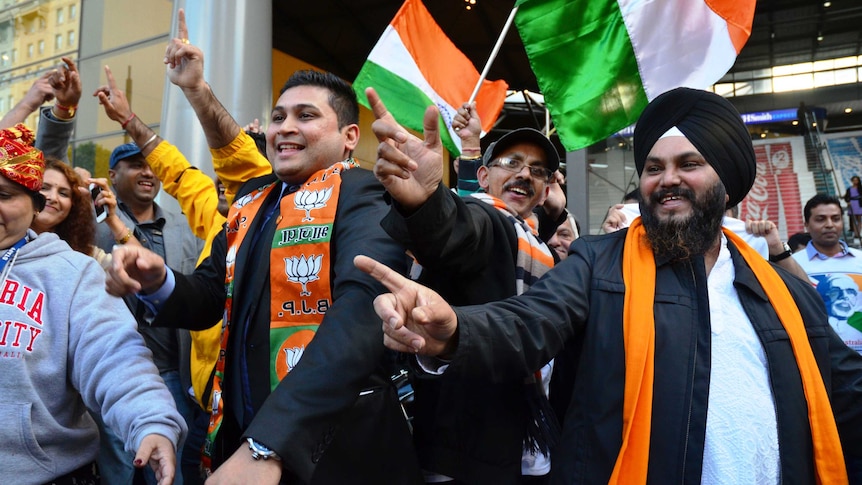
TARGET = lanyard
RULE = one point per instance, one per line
(9, 256)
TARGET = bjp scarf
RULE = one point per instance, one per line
(299, 259)
(639, 337)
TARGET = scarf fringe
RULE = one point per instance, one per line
(543, 429)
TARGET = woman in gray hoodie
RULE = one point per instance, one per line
(67, 346)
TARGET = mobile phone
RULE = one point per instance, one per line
(101, 210)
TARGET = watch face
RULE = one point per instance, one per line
(259, 451)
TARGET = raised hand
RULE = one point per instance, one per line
(113, 99)
(415, 318)
(66, 84)
(253, 127)
(185, 62)
(469, 128)
(106, 197)
(555, 203)
(615, 219)
(40, 92)
(409, 168)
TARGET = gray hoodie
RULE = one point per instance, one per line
(65, 346)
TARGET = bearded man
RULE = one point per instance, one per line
(699, 361)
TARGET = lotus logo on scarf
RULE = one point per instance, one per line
(292, 356)
(303, 270)
(311, 199)
(239, 203)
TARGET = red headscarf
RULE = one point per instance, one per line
(20, 162)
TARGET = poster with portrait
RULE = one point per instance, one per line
(840, 293)
(846, 154)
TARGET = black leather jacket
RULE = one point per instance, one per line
(580, 303)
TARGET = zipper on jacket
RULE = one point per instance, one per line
(691, 385)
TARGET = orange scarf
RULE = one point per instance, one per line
(299, 259)
(639, 336)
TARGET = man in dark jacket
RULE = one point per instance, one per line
(700, 362)
(479, 248)
(301, 389)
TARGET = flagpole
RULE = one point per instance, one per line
(493, 54)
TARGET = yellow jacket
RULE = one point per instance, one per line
(196, 193)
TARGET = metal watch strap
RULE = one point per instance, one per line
(261, 452)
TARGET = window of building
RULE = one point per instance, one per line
(29, 51)
(14, 56)
(58, 41)
(73, 11)
(4, 61)
(71, 38)
(41, 47)
(41, 24)
(60, 13)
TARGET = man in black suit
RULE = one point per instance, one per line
(331, 416)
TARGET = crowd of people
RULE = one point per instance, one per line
(253, 338)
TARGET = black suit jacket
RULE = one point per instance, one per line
(335, 418)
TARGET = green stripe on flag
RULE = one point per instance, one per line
(585, 65)
(404, 100)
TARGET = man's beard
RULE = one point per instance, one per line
(680, 238)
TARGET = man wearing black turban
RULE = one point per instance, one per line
(695, 159)
(712, 125)
(707, 365)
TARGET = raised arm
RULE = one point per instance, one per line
(186, 69)
(769, 231)
(40, 92)
(116, 106)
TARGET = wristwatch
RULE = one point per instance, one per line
(781, 256)
(261, 452)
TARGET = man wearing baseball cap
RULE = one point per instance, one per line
(169, 235)
(479, 248)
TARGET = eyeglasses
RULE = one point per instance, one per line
(836, 293)
(515, 166)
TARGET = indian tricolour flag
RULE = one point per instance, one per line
(414, 65)
(599, 62)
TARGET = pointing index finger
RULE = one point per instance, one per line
(380, 272)
(377, 106)
(110, 77)
(182, 29)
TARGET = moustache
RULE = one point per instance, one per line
(524, 185)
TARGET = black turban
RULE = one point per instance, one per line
(712, 125)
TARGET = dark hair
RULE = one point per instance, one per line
(259, 141)
(38, 199)
(820, 199)
(798, 240)
(633, 195)
(734, 211)
(79, 227)
(342, 98)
